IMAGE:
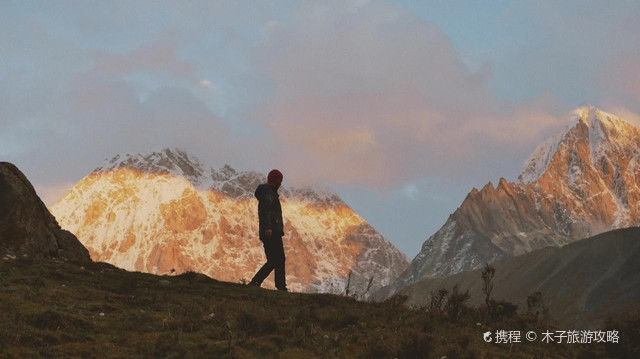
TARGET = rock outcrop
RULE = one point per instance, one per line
(27, 229)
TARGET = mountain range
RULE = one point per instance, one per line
(165, 212)
(583, 181)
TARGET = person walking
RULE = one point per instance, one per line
(271, 231)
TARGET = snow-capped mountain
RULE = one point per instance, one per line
(165, 212)
(583, 181)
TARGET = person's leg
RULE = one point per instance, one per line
(262, 274)
(266, 268)
(279, 260)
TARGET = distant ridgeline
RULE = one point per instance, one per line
(581, 283)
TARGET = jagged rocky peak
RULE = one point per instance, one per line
(27, 229)
(224, 174)
(178, 162)
(235, 184)
(243, 184)
(168, 160)
(583, 181)
(603, 133)
(594, 117)
(318, 196)
(228, 180)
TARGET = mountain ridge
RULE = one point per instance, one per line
(590, 184)
(177, 162)
(165, 211)
(582, 282)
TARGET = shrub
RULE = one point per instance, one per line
(416, 345)
(487, 282)
(396, 300)
(536, 307)
(456, 303)
(502, 309)
(436, 300)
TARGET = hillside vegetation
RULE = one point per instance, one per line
(582, 283)
(51, 308)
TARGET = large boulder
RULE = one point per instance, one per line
(27, 228)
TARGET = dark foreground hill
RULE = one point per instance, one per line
(581, 283)
(27, 229)
(54, 309)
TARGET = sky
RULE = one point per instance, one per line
(401, 107)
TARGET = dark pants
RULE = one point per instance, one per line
(275, 261)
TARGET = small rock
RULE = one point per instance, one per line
(164, 282)
(101, 314)
(209, 317)
(326, 336)
(479, 324)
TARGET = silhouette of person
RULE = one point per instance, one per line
(271, 231)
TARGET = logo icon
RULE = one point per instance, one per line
(531, 336)
(487, 337)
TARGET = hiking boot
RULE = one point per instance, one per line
(283, 289)
(253, 284)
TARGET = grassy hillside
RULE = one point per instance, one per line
(55, 309)
(582, 283)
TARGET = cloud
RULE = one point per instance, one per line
(157, 56)
(410, 191)
(205, 84)
(579, 52)
(76, 121)
(354, 93)
(620, 81)
(376, 96)
(627, 115)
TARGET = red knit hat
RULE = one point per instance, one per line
(274, 178)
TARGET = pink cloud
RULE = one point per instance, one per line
(377, 96)
(621, 79)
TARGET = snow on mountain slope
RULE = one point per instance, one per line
(582, 182)
(165, 211)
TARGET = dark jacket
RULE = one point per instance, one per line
(269, 210)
